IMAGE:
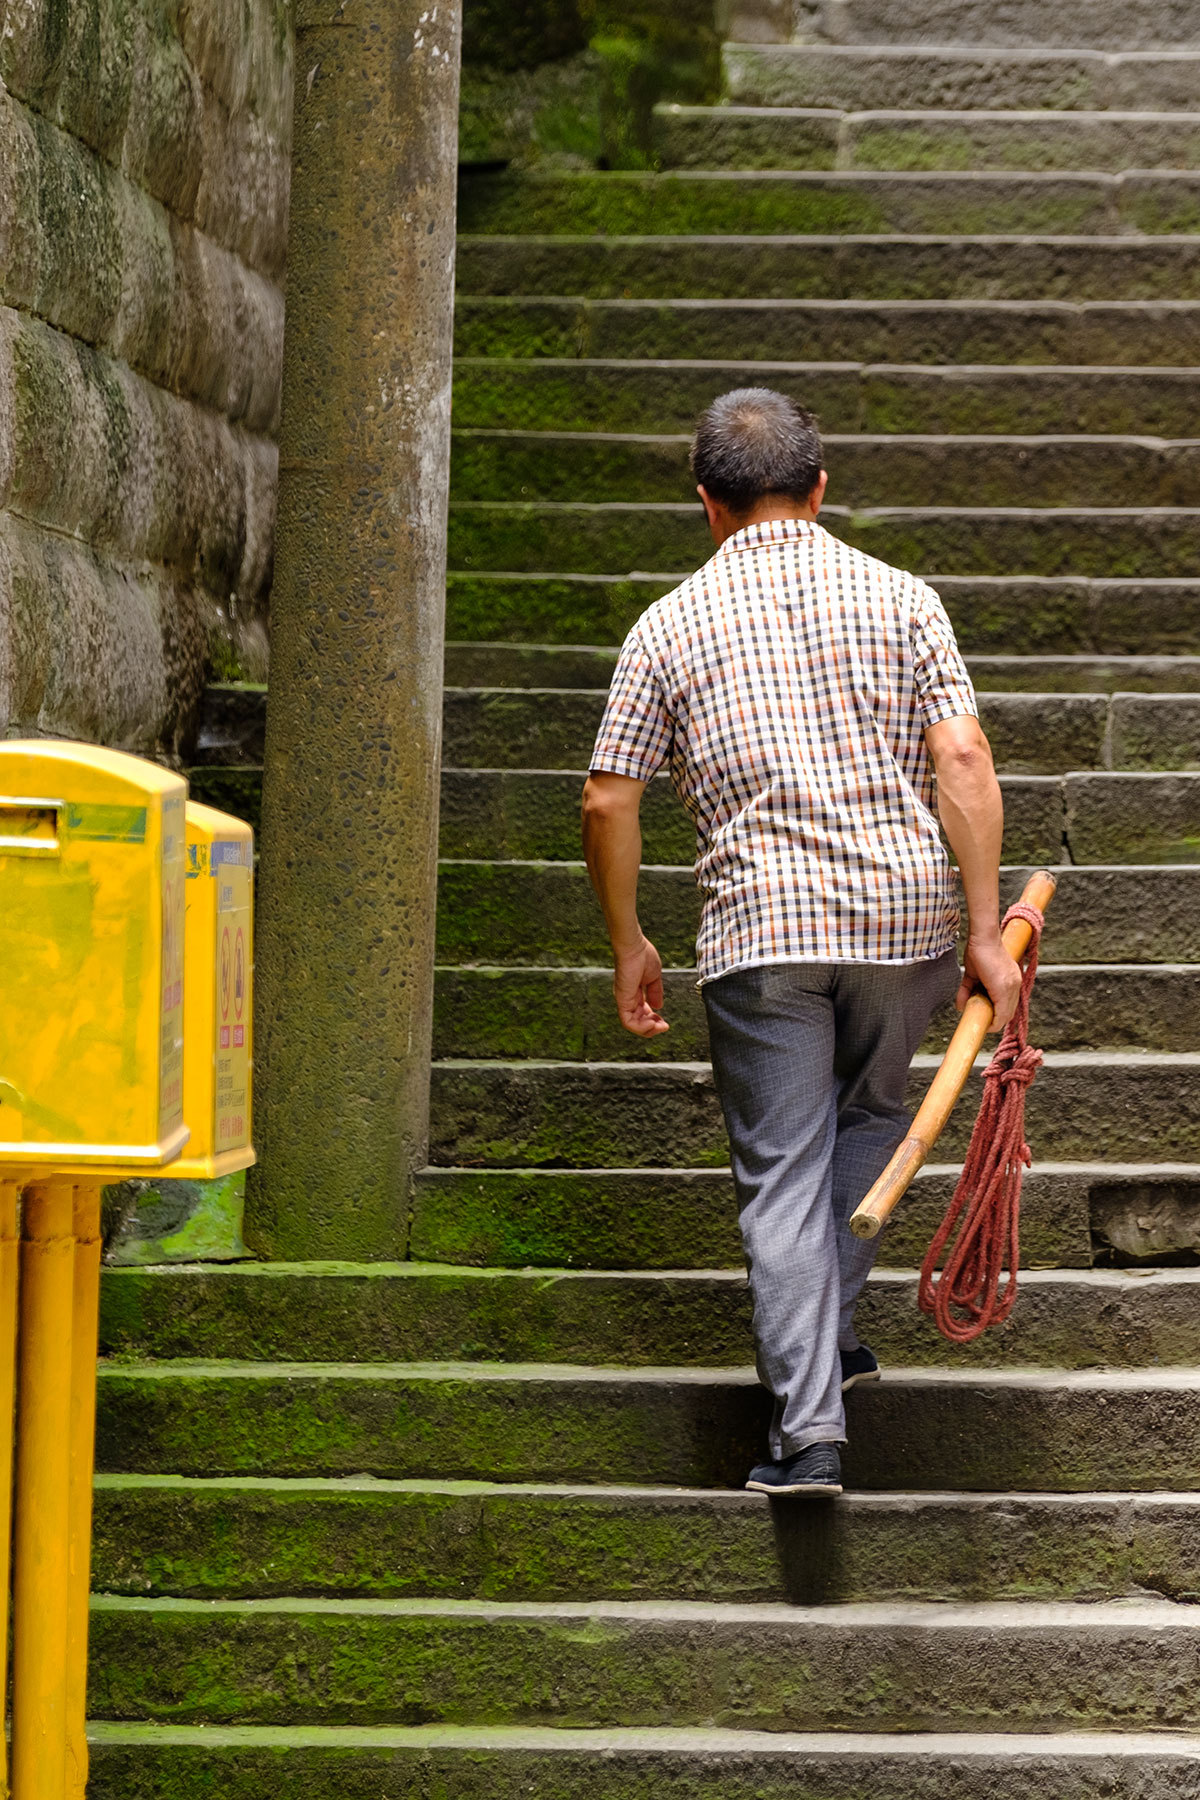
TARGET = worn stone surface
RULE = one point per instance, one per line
(752, 137)
(1017, 23)
(843, 266)
(349, 847)
(867, 77)
(1068, 1432)
(137, 1763)
(661, 1217)
(425, 1313)
(251, 1539)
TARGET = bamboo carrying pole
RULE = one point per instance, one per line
(10, 1251)
(974, 1025)
(41, 1585)
(85, 1332)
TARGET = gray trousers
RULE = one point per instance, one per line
(811, 1064)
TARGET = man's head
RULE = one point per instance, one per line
(756, 455)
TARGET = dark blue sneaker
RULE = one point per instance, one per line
(813, 1474)
(858, 1365)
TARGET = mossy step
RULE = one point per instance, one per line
(423, 1312)
(506, 813)
(842, 266)
(556, 392)
(528, 913)
(1098, 817)
(1075, 24)
(568, 1014)
(1059, 614)
(1041, 734)
(1062, 1432)
(148, 1762)
(884, 469)
(1084, 1106)
(612, 1663)
(251, 1539)
(582, 666)
(654, 1218)
(740, 202)
(856, 78)
(781, 137)
(616, 537)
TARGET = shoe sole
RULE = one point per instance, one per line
(865, 1375)
(809, 1490)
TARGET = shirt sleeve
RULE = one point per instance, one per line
(944, 689)
(635, 733)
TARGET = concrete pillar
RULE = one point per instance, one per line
(344, 964)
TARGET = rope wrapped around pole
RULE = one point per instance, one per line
(985, 1210)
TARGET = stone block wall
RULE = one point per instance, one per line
(144, 159)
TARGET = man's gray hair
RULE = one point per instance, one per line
(755, 442)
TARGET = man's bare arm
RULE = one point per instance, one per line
(972, 814)
(612, 845)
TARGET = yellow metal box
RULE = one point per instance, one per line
(91, 959)
(218, 990)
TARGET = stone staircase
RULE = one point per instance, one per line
(468, 1526)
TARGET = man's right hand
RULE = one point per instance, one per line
(987, 964)
(638, 990)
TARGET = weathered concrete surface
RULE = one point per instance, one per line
(988, 1431)
(350, 827)
(773, 1668)
(253, 1539)
(1016, 23)
(425, 1313)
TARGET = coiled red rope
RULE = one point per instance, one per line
(985, 1211)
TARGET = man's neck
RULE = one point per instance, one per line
(767, 512)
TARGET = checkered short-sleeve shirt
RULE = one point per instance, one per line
(787, 686)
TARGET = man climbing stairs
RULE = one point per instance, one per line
(470, 1524)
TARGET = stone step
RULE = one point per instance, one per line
(1101, 1106)
(864, 471)
(1053, 1431)
(615, 537)
(877, 366)
(138, 1762)
(548, 728)
(1157, 24)
(501, 814)
(612, 1663)
(1071, 1214)
(583, 666)
(870, 267)
(489, 699)
(568, 1014)
(862, 78)
(255, 1538)
(421, 1312)
(1063, 614)
(545, 914)
(787, 137)
(533, 815)
(637, 203)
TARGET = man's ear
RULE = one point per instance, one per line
(818, 493)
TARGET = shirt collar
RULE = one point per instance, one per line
(768, 531)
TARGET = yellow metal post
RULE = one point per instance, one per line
(9, 1259)
(40, 1559)
(84, 1334)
